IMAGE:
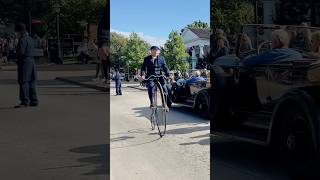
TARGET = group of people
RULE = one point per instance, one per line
(7, 47)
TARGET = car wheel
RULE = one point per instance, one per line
(296, 142)
(202, 106)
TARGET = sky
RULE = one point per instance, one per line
(154, 20)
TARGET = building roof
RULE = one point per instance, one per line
(201, 33)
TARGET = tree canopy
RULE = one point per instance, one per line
(199, 25)
(174, 52)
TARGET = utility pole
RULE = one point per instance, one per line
(57, 7)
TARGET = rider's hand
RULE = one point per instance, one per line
(142, 78)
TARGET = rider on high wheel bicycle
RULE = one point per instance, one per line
(155, 65)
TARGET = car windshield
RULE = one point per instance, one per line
(303, 39)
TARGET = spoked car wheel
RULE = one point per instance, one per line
(296, 143)
(202, 106)
(160, 112)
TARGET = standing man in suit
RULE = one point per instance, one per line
(155, 65)
(118, 79)
(103, 40)
(26, 68)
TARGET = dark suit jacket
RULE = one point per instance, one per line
(160, 65)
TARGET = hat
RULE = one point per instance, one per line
(154, 47)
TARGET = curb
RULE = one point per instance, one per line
(104, 89)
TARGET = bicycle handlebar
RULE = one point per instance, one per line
(155, 76)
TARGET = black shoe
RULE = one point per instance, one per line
(34, 104)
(21, 106)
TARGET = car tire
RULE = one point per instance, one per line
(295, 142)
(202, 106)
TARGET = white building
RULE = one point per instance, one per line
(197, 42)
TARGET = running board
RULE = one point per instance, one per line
(250, 137)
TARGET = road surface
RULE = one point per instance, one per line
(138, 153)
(65, 138)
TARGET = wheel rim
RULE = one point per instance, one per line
(160, 113)
(297, 141)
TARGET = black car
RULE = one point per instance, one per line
(195, 95)
(275, 105)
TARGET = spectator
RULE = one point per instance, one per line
(196, 77)
(315, 46)
(280, 51)
(103, 40)
(222, 49)
(26, 69)
(118, 78)
(245, 43)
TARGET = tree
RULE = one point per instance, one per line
(198, 25)
(136, 50)
(174, 52)
(231, 14)
(74, 11)
(118, 45)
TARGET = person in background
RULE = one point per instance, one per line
(99, 68)
(118, 78)
(103, 40)
(315, 45)
(222, 49)
(280, 50)
(26, 68)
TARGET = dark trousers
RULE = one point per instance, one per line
(118, 88)
(152, 87)
(28, 94)
(106, 69)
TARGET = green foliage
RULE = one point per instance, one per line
(136, 50)
(232, 14)
(74, 11)
(174, 52)
(199, 25)
(118, 45)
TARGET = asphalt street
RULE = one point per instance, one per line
(138, 153)
(65, 138)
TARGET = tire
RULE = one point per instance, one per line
(202, 106)
(295, 142)
(160, 113)
(152, 119)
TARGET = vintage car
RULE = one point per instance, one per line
(276, 104)
(195, 95)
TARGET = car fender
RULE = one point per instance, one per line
(304, 100)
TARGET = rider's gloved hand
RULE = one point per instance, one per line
(142, 78)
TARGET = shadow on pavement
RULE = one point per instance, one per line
(136, 144)
(246, 160)
(100, 158)
(179, 116)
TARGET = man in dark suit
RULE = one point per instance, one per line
(154, 65)
(117, 79)
(26, 68)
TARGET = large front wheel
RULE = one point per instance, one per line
(160, 113)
